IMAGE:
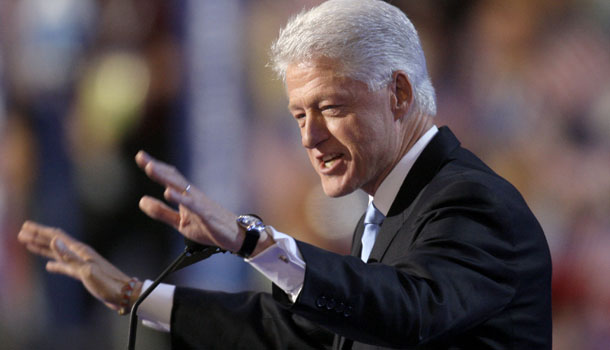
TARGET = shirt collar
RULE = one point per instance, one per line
(387, 191)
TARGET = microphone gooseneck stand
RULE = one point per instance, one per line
(193, 252)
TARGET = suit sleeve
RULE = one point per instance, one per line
(218, 320)
(448, 268)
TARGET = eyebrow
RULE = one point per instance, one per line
(292, 107)
(341, 94)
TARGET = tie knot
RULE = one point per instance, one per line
(373, 215)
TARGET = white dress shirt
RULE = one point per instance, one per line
(282, 263)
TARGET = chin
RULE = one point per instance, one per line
(334, 189)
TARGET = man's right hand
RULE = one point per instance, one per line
(75, 259)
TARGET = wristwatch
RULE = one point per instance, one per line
(253, 226)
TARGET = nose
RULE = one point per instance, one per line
(314, 131)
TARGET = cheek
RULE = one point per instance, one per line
(370, 152)
(363, 142)
(363, 136)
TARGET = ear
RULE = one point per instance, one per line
(401, 94)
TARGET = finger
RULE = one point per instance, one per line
(32, 241)
(62, 268)
(165, 174)
(181, 198)
(30, 234)
(37, 238)
(83, 251)
(142, 158)
(158, 210)
(40, 250)
(34, 233)
(63, 253)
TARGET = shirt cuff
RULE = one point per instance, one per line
(282, 263)
(156, 310)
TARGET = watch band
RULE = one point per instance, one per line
(247, 248)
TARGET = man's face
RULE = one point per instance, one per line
(350, 133)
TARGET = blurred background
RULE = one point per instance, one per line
(84, 84)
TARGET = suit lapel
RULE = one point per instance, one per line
(388, 230)
(357, 238)
(432, 158)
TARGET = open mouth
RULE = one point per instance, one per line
(329, 160)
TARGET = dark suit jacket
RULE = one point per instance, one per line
(460, 262)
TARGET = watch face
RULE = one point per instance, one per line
(246, 221)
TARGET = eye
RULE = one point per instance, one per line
(326, 107)
(300, 118)
(330, 109)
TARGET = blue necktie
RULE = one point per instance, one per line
(372, 221)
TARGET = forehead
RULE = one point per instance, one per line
(317, 80)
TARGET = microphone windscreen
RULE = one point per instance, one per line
(194, 246)
(196, 252)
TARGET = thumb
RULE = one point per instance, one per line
(62, 268)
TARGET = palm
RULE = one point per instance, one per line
(75, 259)
(190, 224)
(103, 280)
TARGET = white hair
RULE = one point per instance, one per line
(371, 39)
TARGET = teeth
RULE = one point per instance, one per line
(329, 157)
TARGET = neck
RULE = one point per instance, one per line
(415, 127)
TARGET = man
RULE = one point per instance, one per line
(448, 255)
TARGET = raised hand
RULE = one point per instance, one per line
(198, 218)
(77, 260)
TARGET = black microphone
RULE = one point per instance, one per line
(196, 252)
(193, 252)
(194, 245)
